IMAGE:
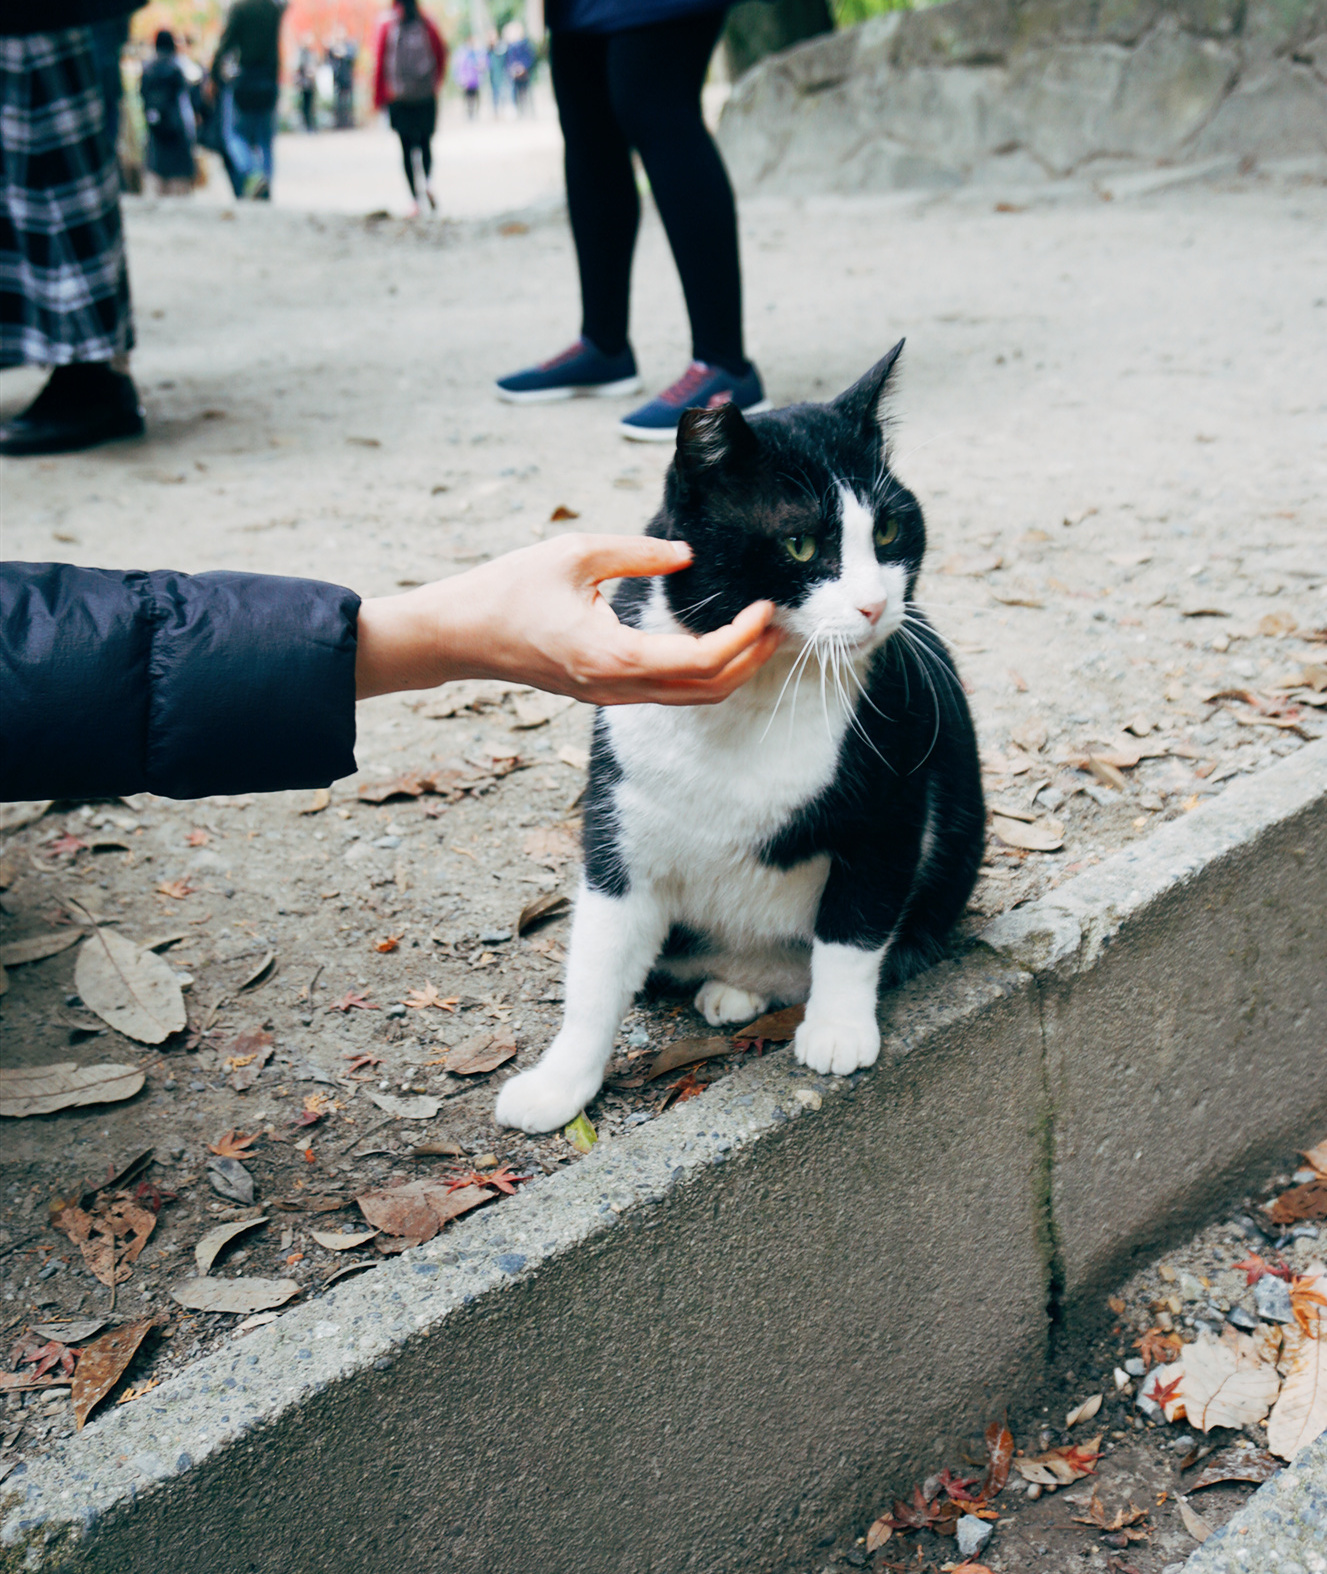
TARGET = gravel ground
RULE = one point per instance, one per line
(1114, 423)
(1144, 1463)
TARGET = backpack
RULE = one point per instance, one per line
(411, 66)
(161, 89)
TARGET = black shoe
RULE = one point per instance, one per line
(80, 406)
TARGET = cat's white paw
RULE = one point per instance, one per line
(719, 1002)
(542, 1099)
(837, 1047)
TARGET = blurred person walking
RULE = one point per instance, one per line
(252, 39)
(168, 113)
(498, 84)
(520, 66)
(469, 71)
(306, 86)
(64, 283)
(628, 74)
(341, 56)
(411, 63)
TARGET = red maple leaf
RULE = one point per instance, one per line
(687, 1087)
(68, 843)
(360, 1062)
(1163, 1393)
(502, 1177)
(1253, 1268)
(351, 1001)
(232, 1144)
(957, 1487)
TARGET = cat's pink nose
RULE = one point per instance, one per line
(871, 612)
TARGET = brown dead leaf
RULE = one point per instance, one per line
(543, 910)
(234, 1295)
(41, 1090)
(1194, 1522)
(1156, 1346)
(1083, 1412)
(562, 512)
(1299, 1203)
(422, 999)
(417, 1210)
(1107, 774)
(210, 1247)
(879, 1533)
(1300, 1413)
(102, 1364)
(321, 798)
(1114, 1523)
(775, 1027)
(247, 1056)
(1242, 1464)
(999, 1456)
(1316, 1159)
(687, 1052)
(484, 1053)
(1045, 836)
(35, 948)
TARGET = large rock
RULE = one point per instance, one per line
(1026, 90)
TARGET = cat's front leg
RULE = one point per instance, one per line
(614, 941)
(839, 1032)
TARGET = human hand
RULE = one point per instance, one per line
(537, 616)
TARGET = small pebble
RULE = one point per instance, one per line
(973, 1534)
(1136, 1366)
(394, 1011)
(1182, 1444)
(198, 1087)
(1034, 1490)
(169, 1085)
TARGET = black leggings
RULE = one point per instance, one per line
(641, 89)
(415, 124)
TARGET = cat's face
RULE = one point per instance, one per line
(797, 507)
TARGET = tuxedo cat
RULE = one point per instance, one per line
(818, 832)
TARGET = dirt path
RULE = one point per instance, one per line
(1112, 413)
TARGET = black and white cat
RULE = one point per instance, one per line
(820, 830)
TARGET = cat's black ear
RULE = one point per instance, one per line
(714, 444)
(863, 403)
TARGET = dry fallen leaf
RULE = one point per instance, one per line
(1057, 1467)
(102, 1364)
(544, 909)
(999, 1456)
(1044, 836)
(14, 816)
(34, 948)
(562, 512)
(334, 1241)
(478, 1055)
(321, 798)
(879, 1533)
(1224, 1381)
(234, 1295)
(687, 1052)
(247, 1056)
(229, 1178)
(257, 975)
(420, 1208)
(1194, 1522)
(1316, 1159)
(1300, 1413)
(1083, 1412)
(131, 989)
(775, 1027)
(422, 999)
(40, 1090)
(1243, 1464)
(1299, 1203)
(232, 1144)
(420, 1107)
(215, 1241)
(388, 943)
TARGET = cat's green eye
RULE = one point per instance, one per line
(801, 549)
(886, 533)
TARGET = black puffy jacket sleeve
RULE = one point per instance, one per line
(177, 684)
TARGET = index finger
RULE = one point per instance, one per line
(632, 557)
(699, 655)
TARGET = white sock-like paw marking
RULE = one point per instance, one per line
(542, 1099)
(718, 1002)
(837, 1047)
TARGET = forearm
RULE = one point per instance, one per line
(116, 683)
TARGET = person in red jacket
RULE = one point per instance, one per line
(412, 61)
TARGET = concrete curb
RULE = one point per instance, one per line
(1282, 1527)
(716, 1335)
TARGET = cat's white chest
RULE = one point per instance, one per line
(704, 789)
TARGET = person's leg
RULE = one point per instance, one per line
(266, 138)
(655, 75)
(601, 186)
(64, 284)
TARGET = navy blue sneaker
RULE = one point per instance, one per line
(581, 371)
(700, 387)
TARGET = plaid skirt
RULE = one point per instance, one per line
(64, 285)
